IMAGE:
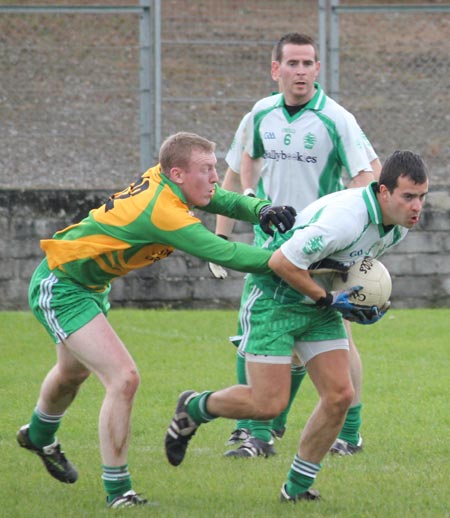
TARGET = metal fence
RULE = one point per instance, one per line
(390, 66)
(87, 94)
(73, 82)
(216, 60)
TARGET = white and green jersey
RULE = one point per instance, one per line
(345, 226)
(233, 157)
(305, 154)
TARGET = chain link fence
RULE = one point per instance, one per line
(69, 99)
(394, 75)
(69, 83)
(216, 60)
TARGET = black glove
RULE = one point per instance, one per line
(282, 218)
(340, 300)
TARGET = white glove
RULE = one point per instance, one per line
(218, 272)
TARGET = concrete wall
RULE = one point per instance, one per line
(420, 266)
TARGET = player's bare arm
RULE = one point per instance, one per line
(250, 172)
(301, 281)
(231, 182)
(296, 277)
(376, 168)
(363, 178)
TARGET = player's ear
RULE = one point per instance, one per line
(275, 71)
(383, 191)
(176, 175)
(317, 68)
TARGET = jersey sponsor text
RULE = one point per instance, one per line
(296, 156)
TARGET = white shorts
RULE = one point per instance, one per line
(304, 350)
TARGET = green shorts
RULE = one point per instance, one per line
(61, 305)
(270, 328)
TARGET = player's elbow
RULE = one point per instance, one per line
(274, 261)
(279, 264)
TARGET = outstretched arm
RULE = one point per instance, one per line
(224, 225)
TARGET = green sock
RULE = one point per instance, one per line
(241, 375)
(197, 408)
(43, 428)
(116, 480)
(261, 430)
(298, 372)
(301, 476)
(352, 424)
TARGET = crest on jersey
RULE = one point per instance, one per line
(314, 245)
(309, 140)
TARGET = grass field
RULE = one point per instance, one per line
(403, 471)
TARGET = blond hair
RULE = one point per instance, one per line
(176, 150)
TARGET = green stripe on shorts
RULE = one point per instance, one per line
(271, 328)
(63, 306)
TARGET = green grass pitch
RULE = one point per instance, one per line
(403, 470)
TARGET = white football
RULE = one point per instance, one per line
(373, 276)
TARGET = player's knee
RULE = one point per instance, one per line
(346, 397)
(338, 401)
(128, 383)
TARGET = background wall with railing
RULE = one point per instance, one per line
(82, 90)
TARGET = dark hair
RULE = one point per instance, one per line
(294, 38)
(402, 163)
(176, 150)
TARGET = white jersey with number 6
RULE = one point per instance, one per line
(304, 154)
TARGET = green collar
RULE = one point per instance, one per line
(318, 100)
(371, 201)
(375, 214)
(316, 103)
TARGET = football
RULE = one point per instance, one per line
(373, 276)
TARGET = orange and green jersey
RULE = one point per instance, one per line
(144, 223)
